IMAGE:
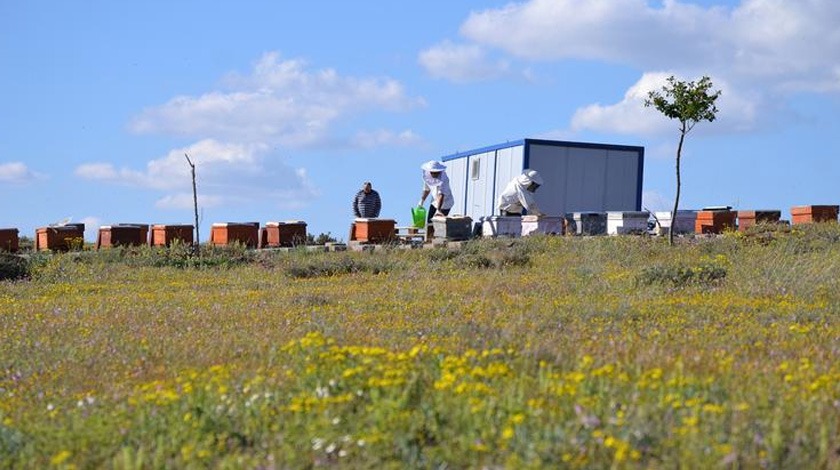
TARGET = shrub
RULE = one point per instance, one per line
(13, 267)
(704, 274)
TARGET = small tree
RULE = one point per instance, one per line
(689, 103)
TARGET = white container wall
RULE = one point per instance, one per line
(542, 225)
(498, 226)
(684, 223)
(627, 222)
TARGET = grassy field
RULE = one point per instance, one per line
(548, 352)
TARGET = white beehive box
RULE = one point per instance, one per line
(627, 222)
(544, 225)
(501, 226)
(684, 222)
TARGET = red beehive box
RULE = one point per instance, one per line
(747, 219)
(374, 230)
(288, 233)
(226, 233)
(811, 214)
(164, 235)
(59, 238)
(714, 221)
(9, 240)
(122, 235)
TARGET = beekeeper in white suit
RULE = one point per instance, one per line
(519, 195)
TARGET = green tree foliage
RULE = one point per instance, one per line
(689, 103)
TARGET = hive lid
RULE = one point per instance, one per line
(717, 208)
(372, 219)
(612, 215)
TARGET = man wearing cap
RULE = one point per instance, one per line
(436, 183)
(367, 203)
(519, 195)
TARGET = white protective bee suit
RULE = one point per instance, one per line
(519, 194)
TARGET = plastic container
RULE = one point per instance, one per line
(418, 216)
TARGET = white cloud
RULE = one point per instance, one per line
(461, 62)
(738, 111)
(17, 173)
(370, 139)
(778, 42)
(225, 174)
(279, 103)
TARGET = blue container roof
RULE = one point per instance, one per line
(555, 143)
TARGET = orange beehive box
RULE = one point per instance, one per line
(9, 240)
(811, 214)
(714, 221)
(122, 235)
(288, 233)
(747, 219)
(226, 233)
(164, 235)
(60, 237)
(370, 230)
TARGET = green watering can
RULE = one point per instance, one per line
(418, 215)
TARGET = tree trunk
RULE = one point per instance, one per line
(679, 183)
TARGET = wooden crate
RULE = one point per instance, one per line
(288, 233)
(370, 230)
(813, 214)
(747, 219)
(9, 240)
(59, 238)
(714, 221)
(164, 235)
(228, 233)
(122, 235)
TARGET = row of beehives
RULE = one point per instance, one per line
(707, 221)
(69, 236)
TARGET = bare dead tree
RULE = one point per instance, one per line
(195, 202)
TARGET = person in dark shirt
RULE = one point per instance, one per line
(367, 203)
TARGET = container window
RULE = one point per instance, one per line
(475, 169)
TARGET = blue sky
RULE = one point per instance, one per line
(287, 107)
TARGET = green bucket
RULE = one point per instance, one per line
(418, 215)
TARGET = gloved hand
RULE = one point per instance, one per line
(420, 203)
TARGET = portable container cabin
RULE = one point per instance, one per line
(578, 176)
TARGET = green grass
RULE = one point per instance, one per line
(546, 352)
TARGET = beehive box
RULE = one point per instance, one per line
(586, 223)
(684, 222)
(9, 240)
(60, 238)
(454, 228)
(813, 214)
(747, 219)
(165, 234)
(288, 233)
(228, 233)
(714, 221)
(627, 222)
(373, 230)
(542, 225)
(122, 235)
(501, 226)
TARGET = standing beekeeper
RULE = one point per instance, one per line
(436, 183)
(519, 195)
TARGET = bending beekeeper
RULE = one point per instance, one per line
(518, 195)
(436, 183)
